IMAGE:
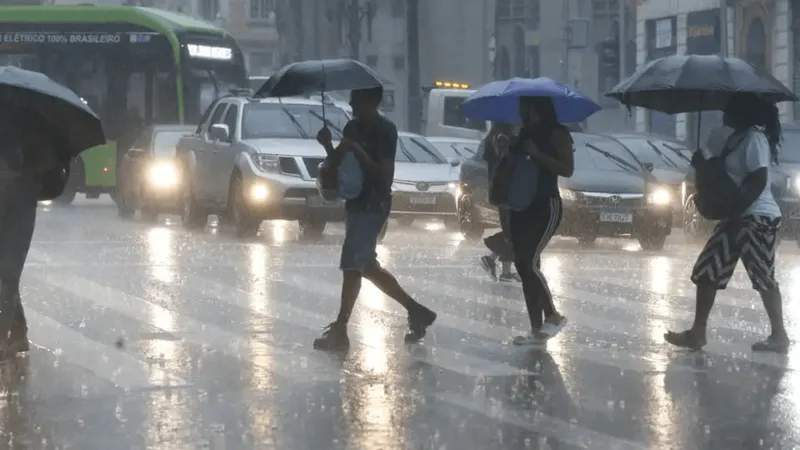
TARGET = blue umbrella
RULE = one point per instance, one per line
(498, 101)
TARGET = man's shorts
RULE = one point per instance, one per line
(362, 229)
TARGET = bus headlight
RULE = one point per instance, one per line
(164, 174)
(659, 196)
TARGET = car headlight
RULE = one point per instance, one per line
(659, 196)
(795, 181)
(452, 186)
(267, 163)
(567, 195)
(164, 174)
(259, 192)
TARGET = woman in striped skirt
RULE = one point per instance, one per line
(750, 234)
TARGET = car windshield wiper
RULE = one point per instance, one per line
(625, 165)
(661, 155)
(327, 122)
(296, 123)
(678, 152)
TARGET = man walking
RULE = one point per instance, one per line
(375, 148)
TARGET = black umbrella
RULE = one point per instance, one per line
(63, 110)
(313, 77)
(688, 83)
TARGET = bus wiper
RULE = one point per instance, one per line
(625, 165)
(296, 123)
(662, 155)
(327, 122)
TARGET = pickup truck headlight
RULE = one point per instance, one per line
(164, 174)
(567, 195)
(267, 163)
(659, 196)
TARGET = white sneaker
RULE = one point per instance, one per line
(532, 338)
(550, 329)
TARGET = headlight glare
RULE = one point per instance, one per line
(659, 196)
(796, 183)
(567, 195)
(259, 192)
(164, 174)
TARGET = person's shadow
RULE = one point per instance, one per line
(726, 404)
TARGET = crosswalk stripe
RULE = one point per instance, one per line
(540, 423)
(734, 350)
(111, 364)
(437, 356)
(294, 365)
(619, 359)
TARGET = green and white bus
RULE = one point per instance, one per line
(133, 66)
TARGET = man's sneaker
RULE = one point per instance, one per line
(510, 277)
(533, 338)
(333, 338)
(418, 323)
(489, 265)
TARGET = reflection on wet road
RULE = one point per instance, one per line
(149, 336)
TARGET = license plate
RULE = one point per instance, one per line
(616, 217)
(316, 201)
(422, 200)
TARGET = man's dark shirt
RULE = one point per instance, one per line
(378, 137)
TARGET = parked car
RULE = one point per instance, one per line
(668, 160)
(149, 175)
(611, 194)
(425, 182)
(257, 159)
(455, 149)
(785, 180)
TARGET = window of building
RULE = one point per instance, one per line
(399, 62)
(209, 9)
(372, 61)
(398, 8)
(261, 63)
(261, 9)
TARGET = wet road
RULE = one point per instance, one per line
(149, 336)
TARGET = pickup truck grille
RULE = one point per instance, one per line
(312, 165)
(289, 166)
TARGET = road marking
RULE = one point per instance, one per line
(103, 360)
(436, 356)
(293, 365)
(540, 423)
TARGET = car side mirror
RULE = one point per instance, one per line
(454, 162)
(136, 153)
(649, 166)
(220, 132)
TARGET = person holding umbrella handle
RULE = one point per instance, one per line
(749, 233)
(373, 140)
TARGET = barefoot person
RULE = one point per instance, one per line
(549, 144)
(365, 216)
(750, 234)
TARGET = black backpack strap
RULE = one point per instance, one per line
(731, 148)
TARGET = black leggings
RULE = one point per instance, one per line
(530, 231)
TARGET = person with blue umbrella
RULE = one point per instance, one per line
(527, 181)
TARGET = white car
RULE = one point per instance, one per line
(454, 148)
(425, 182)
(257, 159)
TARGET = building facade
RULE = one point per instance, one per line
(576, 42)
(454, 41)
(758, 31)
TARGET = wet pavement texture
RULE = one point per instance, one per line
(148, 336)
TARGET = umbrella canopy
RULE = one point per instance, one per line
(499, 100)
(313, 77)
(62, 109)
(689, 83)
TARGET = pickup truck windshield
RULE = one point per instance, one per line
(290, 121)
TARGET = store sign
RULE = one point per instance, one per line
(703, 32)
(209, 52)
(37, 37)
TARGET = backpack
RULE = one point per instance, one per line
(345, 183)
(717, 195)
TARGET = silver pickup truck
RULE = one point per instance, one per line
(252, 160)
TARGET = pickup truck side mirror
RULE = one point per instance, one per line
(220, 132)
(454, 162)
(649, 166)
